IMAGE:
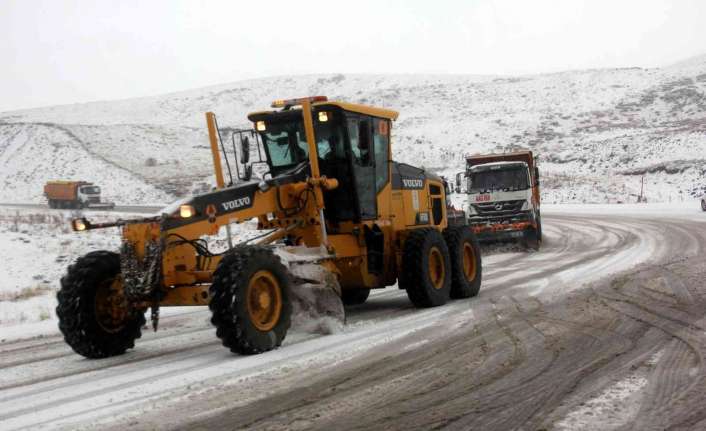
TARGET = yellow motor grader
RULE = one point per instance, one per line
(330, 198)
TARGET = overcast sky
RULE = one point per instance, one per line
(59, 52)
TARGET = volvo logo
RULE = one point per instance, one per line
(412, 183)
(498, 207)
(236, 203)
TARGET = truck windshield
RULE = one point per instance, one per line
(503, 179)
(91, 190)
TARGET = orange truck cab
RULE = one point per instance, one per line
(503, 199)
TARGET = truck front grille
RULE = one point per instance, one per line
(502, 208)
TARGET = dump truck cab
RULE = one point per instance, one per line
(503, 199)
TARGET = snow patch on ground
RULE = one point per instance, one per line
(616, 406)
(36, 248)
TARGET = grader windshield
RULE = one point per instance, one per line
(285, 144)
(284, 139)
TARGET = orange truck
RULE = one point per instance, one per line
(74, 194)
(503, 200)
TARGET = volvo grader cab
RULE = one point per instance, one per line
(337, 218)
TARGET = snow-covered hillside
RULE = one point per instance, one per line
(597, 131)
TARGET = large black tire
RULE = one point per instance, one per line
(52, 203)
(80, 321)
(237, 280)
(532, 238)
(354, 296)
(416, 276)
(703, 205)
(466, 268)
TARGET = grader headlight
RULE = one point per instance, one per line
(323, 116)
(80, 224)
(187, 211)
(260, 126)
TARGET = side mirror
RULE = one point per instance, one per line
(536, 176)
(247, 173)
(447, 187)
(459, 179)
(245, 150)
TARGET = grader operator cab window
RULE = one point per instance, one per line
(285, 145)
(363, 165)
(381, 142)
(352, 148)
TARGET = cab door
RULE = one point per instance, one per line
(363, 162)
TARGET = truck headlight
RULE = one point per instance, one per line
(526, 205)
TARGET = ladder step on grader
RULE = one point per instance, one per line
(337, 218)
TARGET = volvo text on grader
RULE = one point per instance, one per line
(332, 199)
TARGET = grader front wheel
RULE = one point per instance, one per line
(250, 300)
(93, 314)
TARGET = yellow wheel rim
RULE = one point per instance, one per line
(469, 261)
(264, 300)
(111, 305)
(437, 271)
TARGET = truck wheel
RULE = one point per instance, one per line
(354, 296)
(250, 300)
(94, 316)
(426, 268)
(703, 205)
(52, 203)
(466, 269)
(532, 238)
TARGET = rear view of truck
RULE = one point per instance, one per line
(503, 200)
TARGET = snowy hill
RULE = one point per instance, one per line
(597, 131)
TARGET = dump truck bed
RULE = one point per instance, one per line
(62, 190)
(517, 156)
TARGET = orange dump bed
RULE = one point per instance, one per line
(62, 190)
(517, 156)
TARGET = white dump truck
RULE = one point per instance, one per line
(503, 200)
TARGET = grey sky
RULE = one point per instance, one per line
(58, 52)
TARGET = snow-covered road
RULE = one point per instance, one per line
(393, 365)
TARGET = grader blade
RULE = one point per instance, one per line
(316, 299)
